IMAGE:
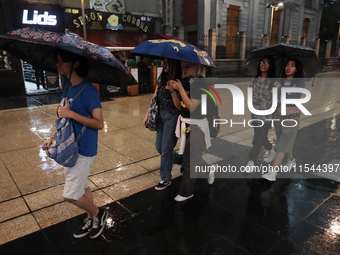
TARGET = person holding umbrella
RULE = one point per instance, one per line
(196, 134)
(75, 59)
(195, 137)
(169, 107)
(286, 134)
(76, 190)
(262, 85)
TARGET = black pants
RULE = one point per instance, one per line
(39, 78)
(260, 139)
(192, 155)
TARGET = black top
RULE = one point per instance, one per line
(194, 91)
(292, 83)
(142, 66)
(165, 101)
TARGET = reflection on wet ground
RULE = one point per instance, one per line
(247, 215)
(234, 216)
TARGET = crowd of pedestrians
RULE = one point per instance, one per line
(180, 116)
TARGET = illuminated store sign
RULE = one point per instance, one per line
(105, 20)
(39, 19)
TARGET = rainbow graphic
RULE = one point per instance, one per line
(208, 92)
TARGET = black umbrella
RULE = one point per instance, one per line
(281, 53)
(37, 47)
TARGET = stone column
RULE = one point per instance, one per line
(203, 23)
(287, 19)
(180, 34)
(317, 46)
(286, 39)
(265, 40)
(242, 39)
(328, 48)
(303, 41)
(212, 43)
(167, 30)
(168, 17)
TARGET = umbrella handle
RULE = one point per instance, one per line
(313, 81)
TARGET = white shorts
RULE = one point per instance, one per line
(76, 177)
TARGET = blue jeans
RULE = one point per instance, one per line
(166, 141)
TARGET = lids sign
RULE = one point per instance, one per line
(39, 19)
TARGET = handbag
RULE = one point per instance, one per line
(64, 147)
(153, 114)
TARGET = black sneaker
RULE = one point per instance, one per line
(162, 185)
(99, 223)
(84, 230)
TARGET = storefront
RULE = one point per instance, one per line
(20, 76)
(113, 30)
(118, 32)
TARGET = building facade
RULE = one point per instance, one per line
(263, 22)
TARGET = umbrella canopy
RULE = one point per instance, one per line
(174, 49)
(281, 53)
(37, 47)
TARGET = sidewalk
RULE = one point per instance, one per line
(233, 216)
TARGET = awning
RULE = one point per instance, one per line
(118, 40)
(168, 37)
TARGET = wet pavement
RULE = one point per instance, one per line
(30, 101)
(298, 215)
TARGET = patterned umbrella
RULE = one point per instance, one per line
(174, 49)
(281, 53)
(37, 47)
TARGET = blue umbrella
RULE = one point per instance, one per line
(37, 47)
(174, 49)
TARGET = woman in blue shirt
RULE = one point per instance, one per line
(76, 190)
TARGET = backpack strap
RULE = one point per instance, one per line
(83, 129)
(78, 94)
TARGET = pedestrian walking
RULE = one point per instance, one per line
(39, 77)
(169, 109)
(195, 136)
(262, 85)
(76, 190)
(286, 134)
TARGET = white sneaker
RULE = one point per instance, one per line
(249, 167)
(180, 198)
(270, 176)
(290, 164)
(211, 176)
(270, 156)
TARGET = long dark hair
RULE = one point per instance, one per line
(82, 70)
(175, 72)
(271, 72)
(298, 66)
